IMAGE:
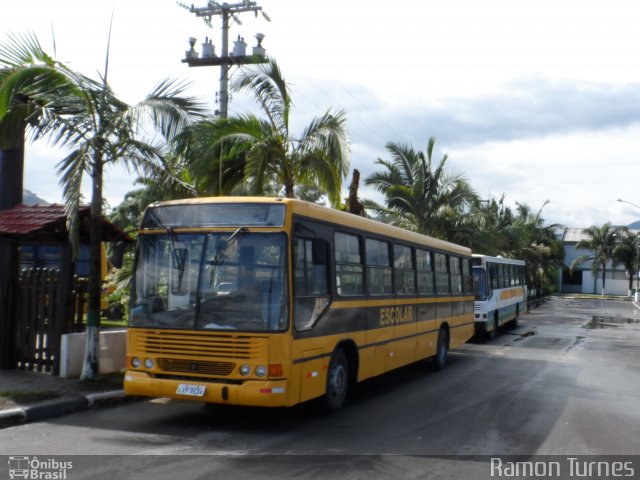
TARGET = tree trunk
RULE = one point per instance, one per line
(604, 273)
(11, 179)
(90, 367)
(354, 205)
(288, 190)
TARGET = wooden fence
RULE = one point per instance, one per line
(44, 314)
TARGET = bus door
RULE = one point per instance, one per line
(311, 309)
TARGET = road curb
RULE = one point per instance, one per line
(46, 410)
(13, 416)
(104, 399)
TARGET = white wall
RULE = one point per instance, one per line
(611, 286)
(111, 358)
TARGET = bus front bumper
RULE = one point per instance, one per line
(265, 393)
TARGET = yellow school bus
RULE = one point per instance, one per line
(272, 302)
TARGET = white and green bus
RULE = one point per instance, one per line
(500, 293)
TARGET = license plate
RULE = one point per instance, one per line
(192, 390)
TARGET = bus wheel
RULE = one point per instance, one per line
(494, 333)
(337, 381)
(440, 360)
(516, 319)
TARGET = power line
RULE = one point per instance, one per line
(368, 126)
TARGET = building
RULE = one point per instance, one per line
(581, 280)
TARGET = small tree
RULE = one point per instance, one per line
(99, 129)
(419, 195)
(626, 253)
(260, 151)
(601, 241)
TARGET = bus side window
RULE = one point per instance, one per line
(404, 270)
(442, 273)
(310, 258)
(349, 268)
(378, 267)
(467, 278)
(456, 274)
(311, 286)
(493, 276)
(424, 266)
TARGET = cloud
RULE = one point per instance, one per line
(574, 143)
(527, 108)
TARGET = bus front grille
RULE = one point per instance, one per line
(195, 346)
(195, 366)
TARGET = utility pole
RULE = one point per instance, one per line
(238, 57)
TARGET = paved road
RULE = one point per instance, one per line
(550, 387)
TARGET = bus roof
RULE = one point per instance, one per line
(506, 261)
(312, 210)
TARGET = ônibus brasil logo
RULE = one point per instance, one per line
(38, 469)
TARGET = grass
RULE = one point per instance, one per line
(105, 323)
(21, 396)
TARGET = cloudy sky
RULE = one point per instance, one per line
(534, 99)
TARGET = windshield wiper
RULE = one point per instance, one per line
(217, 258)
(178, 257)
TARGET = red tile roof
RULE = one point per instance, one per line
(48, 222)
(26, 219)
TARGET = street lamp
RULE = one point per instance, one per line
(637, 296)
(627, 201)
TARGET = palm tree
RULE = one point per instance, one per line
(537, 244)
(420, 196)
(601, 241)
(626, 253)
(491, 232)
(207, 164)
(11, 171)
(519, 233)
(99, 129)
(23, 102)
(256, 151)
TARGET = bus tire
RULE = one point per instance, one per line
(442, 350)
(337, 382)
(516, 319)
(494, 332)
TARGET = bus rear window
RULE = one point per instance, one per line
(214, 215)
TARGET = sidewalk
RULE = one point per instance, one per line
(31, 396)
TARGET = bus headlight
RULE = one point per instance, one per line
(148, 363)
(245, 370)
(261, 371)
(135, 362)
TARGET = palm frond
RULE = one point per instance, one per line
(169, 109)
(269, 88)
(21, 49)
(70, 170)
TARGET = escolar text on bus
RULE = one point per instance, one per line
(395, 315)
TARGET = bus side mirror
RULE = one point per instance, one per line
(117, 256)
(320, 251)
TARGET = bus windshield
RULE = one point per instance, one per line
(480, 283)
(211, 281)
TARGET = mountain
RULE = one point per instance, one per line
(30, 198)
(634, 225)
